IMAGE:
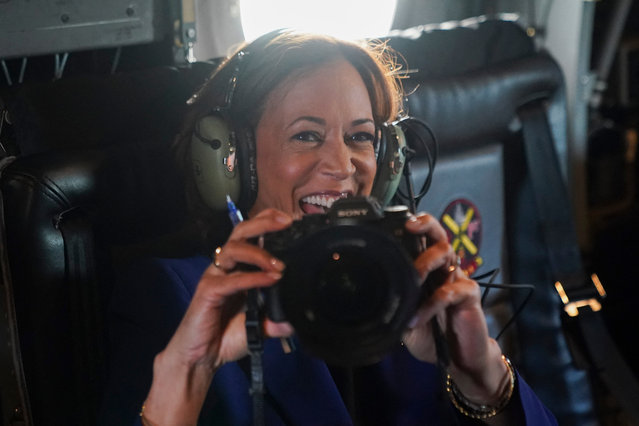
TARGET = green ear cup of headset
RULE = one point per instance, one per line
(390, 163)
(214, 161)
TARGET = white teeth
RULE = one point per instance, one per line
(320, 200)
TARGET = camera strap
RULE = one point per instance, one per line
(256, 349)
(441, 344)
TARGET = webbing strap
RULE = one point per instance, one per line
(13, 391)
(552, 199)
(562, 249)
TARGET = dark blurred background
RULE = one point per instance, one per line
(612, 178)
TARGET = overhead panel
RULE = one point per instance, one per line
(33, 27)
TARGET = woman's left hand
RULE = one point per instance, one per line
(475, 358)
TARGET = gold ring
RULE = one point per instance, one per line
(456, 263)
(216, 257)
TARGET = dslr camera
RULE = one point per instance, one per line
(349, 287)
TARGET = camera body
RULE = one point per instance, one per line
(349, 287)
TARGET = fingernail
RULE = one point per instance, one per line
(283, 218)
(274, 275)
(413, 322)
(412, 221)
(277, 264)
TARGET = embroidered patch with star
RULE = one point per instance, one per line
(462, 222)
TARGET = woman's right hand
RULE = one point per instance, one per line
(212, 331)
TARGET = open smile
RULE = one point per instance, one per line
(320, 202)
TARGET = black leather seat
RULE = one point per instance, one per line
(473, 84)
(93, 187)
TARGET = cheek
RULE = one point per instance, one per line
(367, 168)
(293, 171)
(278, 176)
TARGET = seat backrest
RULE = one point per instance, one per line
(94, 187)
(470, 82)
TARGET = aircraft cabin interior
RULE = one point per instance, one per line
(529, 162)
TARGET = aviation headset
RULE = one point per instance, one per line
(223, 156)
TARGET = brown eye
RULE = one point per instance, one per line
(361, 137)
(307, 137)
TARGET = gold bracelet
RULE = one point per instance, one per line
(480, 411)
(142, 413)
(144, 420)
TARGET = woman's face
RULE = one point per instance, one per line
(315, 141)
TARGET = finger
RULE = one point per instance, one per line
(456, 293)
(462, 290)
(437, 256)
(278, 329)
(426, 224)
(438, 253)
(232, 253)
(268, 220)
(215, 287)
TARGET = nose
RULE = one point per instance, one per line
(337, 159)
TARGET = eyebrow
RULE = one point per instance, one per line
(322, 122)
(362, 121)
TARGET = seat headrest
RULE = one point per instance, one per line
(441, 50)
(130, 194)
(474, 107)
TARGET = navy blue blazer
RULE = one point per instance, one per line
(149, 302)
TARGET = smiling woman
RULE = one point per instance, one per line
(352, 19)
(301, 115)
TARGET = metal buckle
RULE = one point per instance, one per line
(572, 307)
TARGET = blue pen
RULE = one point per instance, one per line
(234, 214)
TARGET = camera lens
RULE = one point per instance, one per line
(349, 291)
